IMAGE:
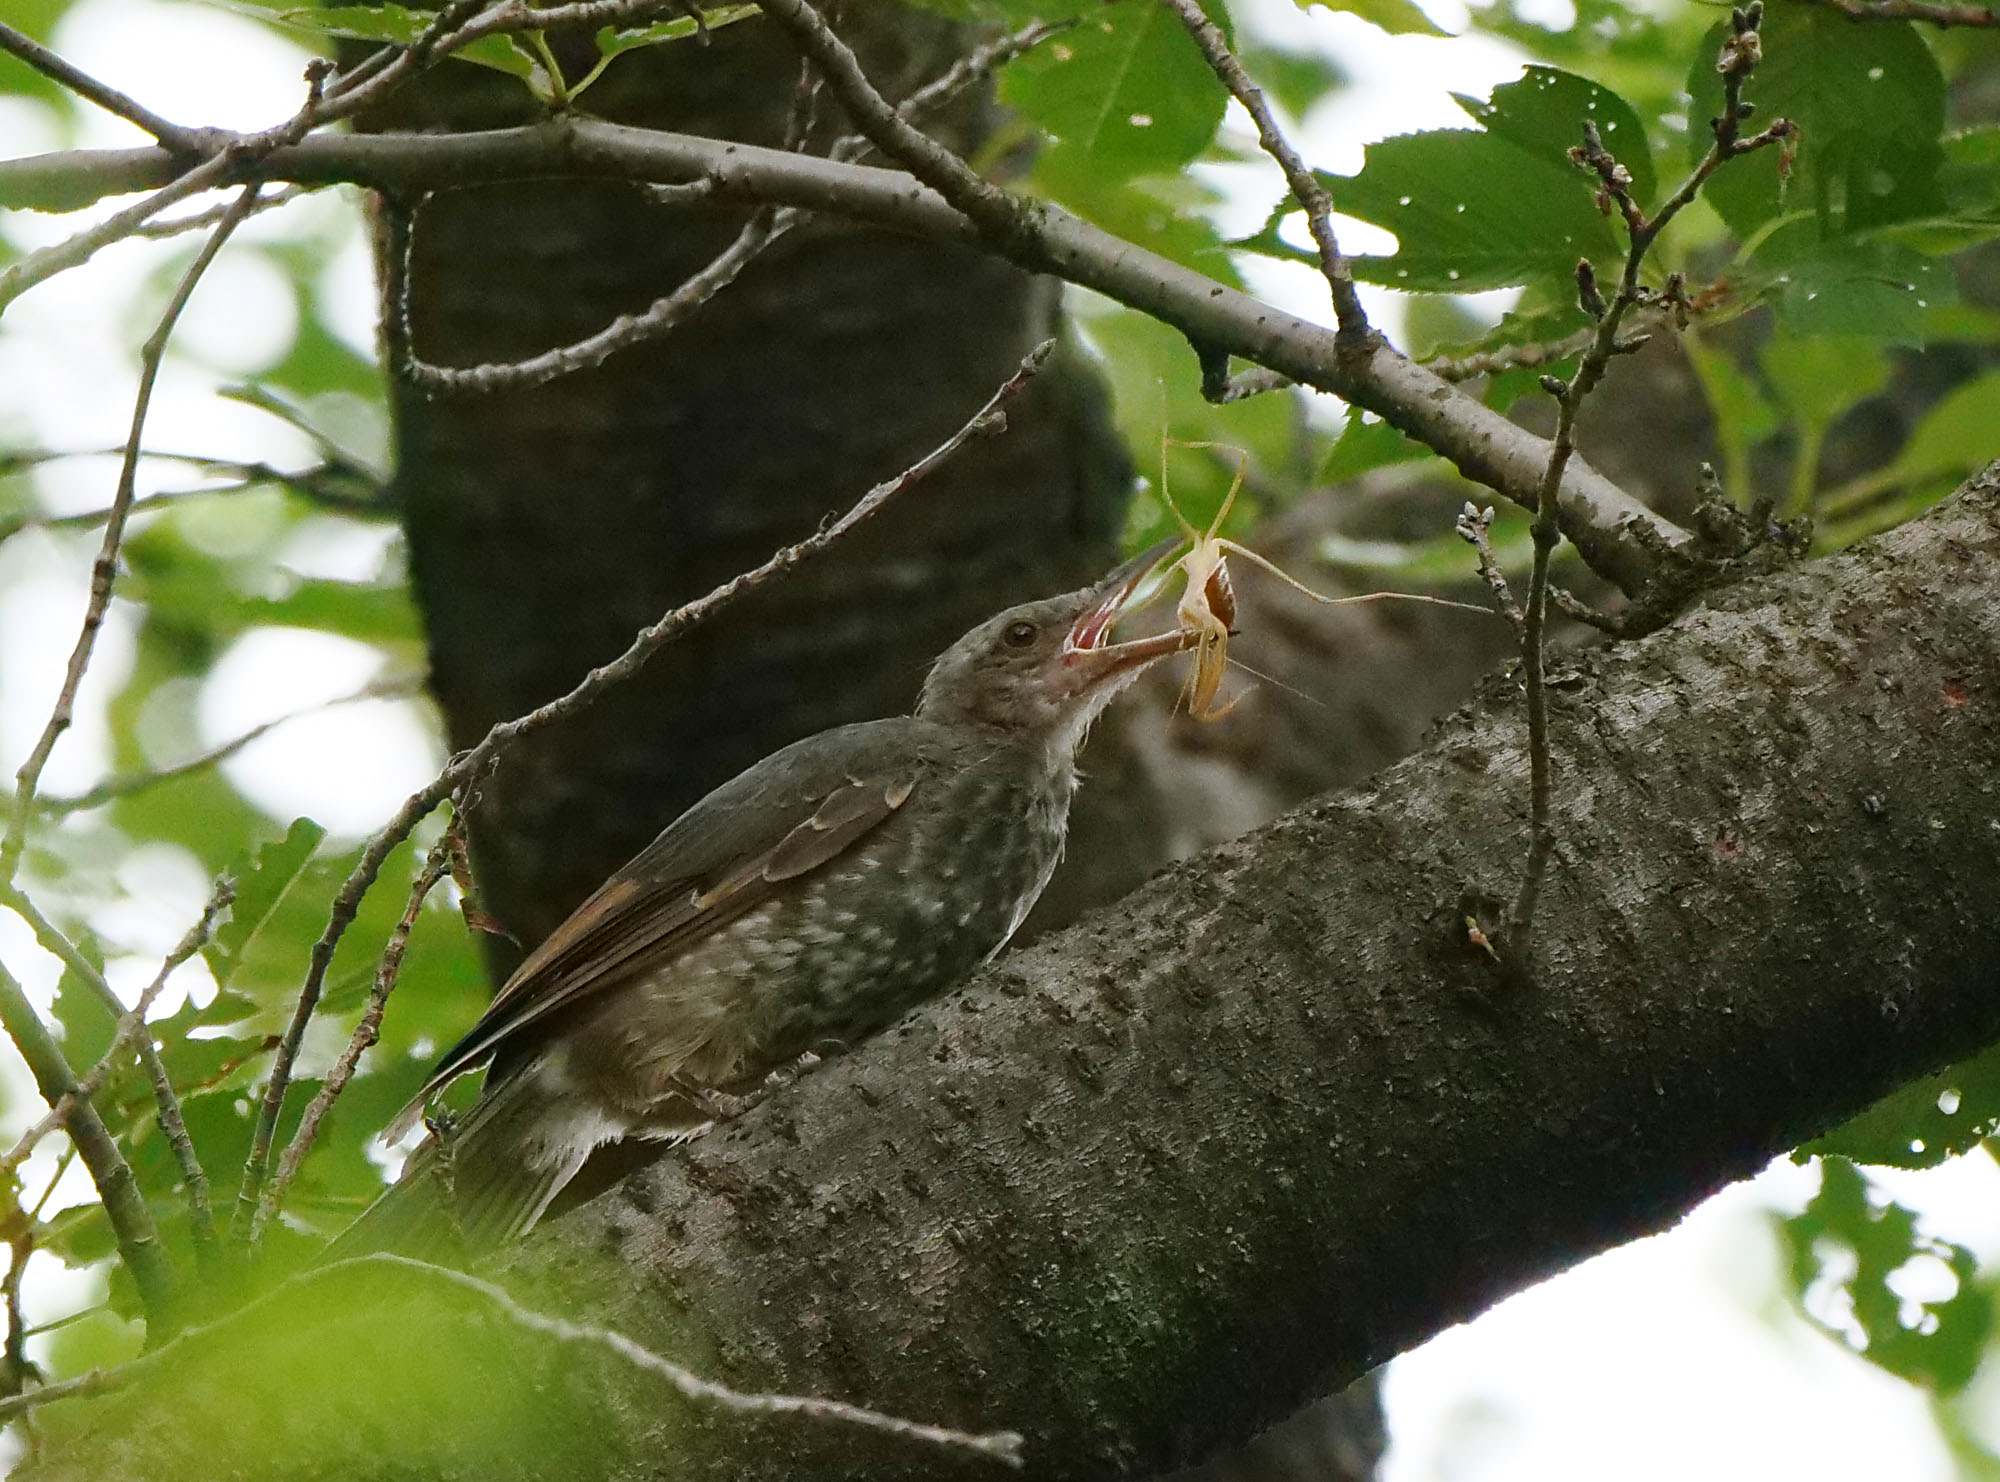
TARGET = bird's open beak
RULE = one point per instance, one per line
(1088, 637)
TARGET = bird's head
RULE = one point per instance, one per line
(1049, 667)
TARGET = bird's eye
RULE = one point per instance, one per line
(1020, 635)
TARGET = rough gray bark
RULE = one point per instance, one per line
(1146, 1186)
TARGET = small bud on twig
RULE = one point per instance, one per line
(1587, 293)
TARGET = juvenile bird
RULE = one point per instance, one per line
(804, 905)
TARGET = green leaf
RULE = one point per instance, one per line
(1397, 17)
(1127, 90)
(1150, 369)
(1815, 380)
(1970, 175)
(1936, 1343)
(397, 25)
(393, 23)
(262, 881)
(1157, 213)
(88, 1022)
(1956, 438)
(1544, 112)
(1875, 288)
(1368, 443)
(1871, 102)
(1912, 1128)
(1496, 208)
(1298, 80)
(1742, 414)
(612, 42)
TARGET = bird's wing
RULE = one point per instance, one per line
(787, 816)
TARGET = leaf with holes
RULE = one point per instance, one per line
(1497, 207)
(1917, 1308)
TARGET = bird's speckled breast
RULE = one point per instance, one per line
(919, 905)
(913, 907)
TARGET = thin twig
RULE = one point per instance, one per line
(131, 1024)
(436, 867)
(467, 767)
(1511, 357)
(1000, 1446)
(1577, 610)
(1221, 388)
(201, 220)
(1306, 189)
(15, 1369)
(55, 1323)
(621, 333)
(171, 135)
(338, 483)
(124, 1206)
(104, 571)
(980, 62)
(126, 784)
(757, 235)
(166, 1100)
(1474, 527)
(1000, 216)
(1741, 51)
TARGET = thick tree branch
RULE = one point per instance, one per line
(1485, 446)
(1139, 1190)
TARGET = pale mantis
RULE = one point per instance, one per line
(1207, 607)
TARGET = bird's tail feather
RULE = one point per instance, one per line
(472, 1186)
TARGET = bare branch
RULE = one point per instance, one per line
(1305, 186)
(338, 483)
(1001, 217)
(621, 333)
(435, 868)
(1741, 51)
(202, 220)
(126, 784)
(1000, 1446)
(1473, 527)
(130, 1026)
(469, 766)
(53, 940)
(124, 1206)
(104, 570)
(1485, 446)
(46, 62)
